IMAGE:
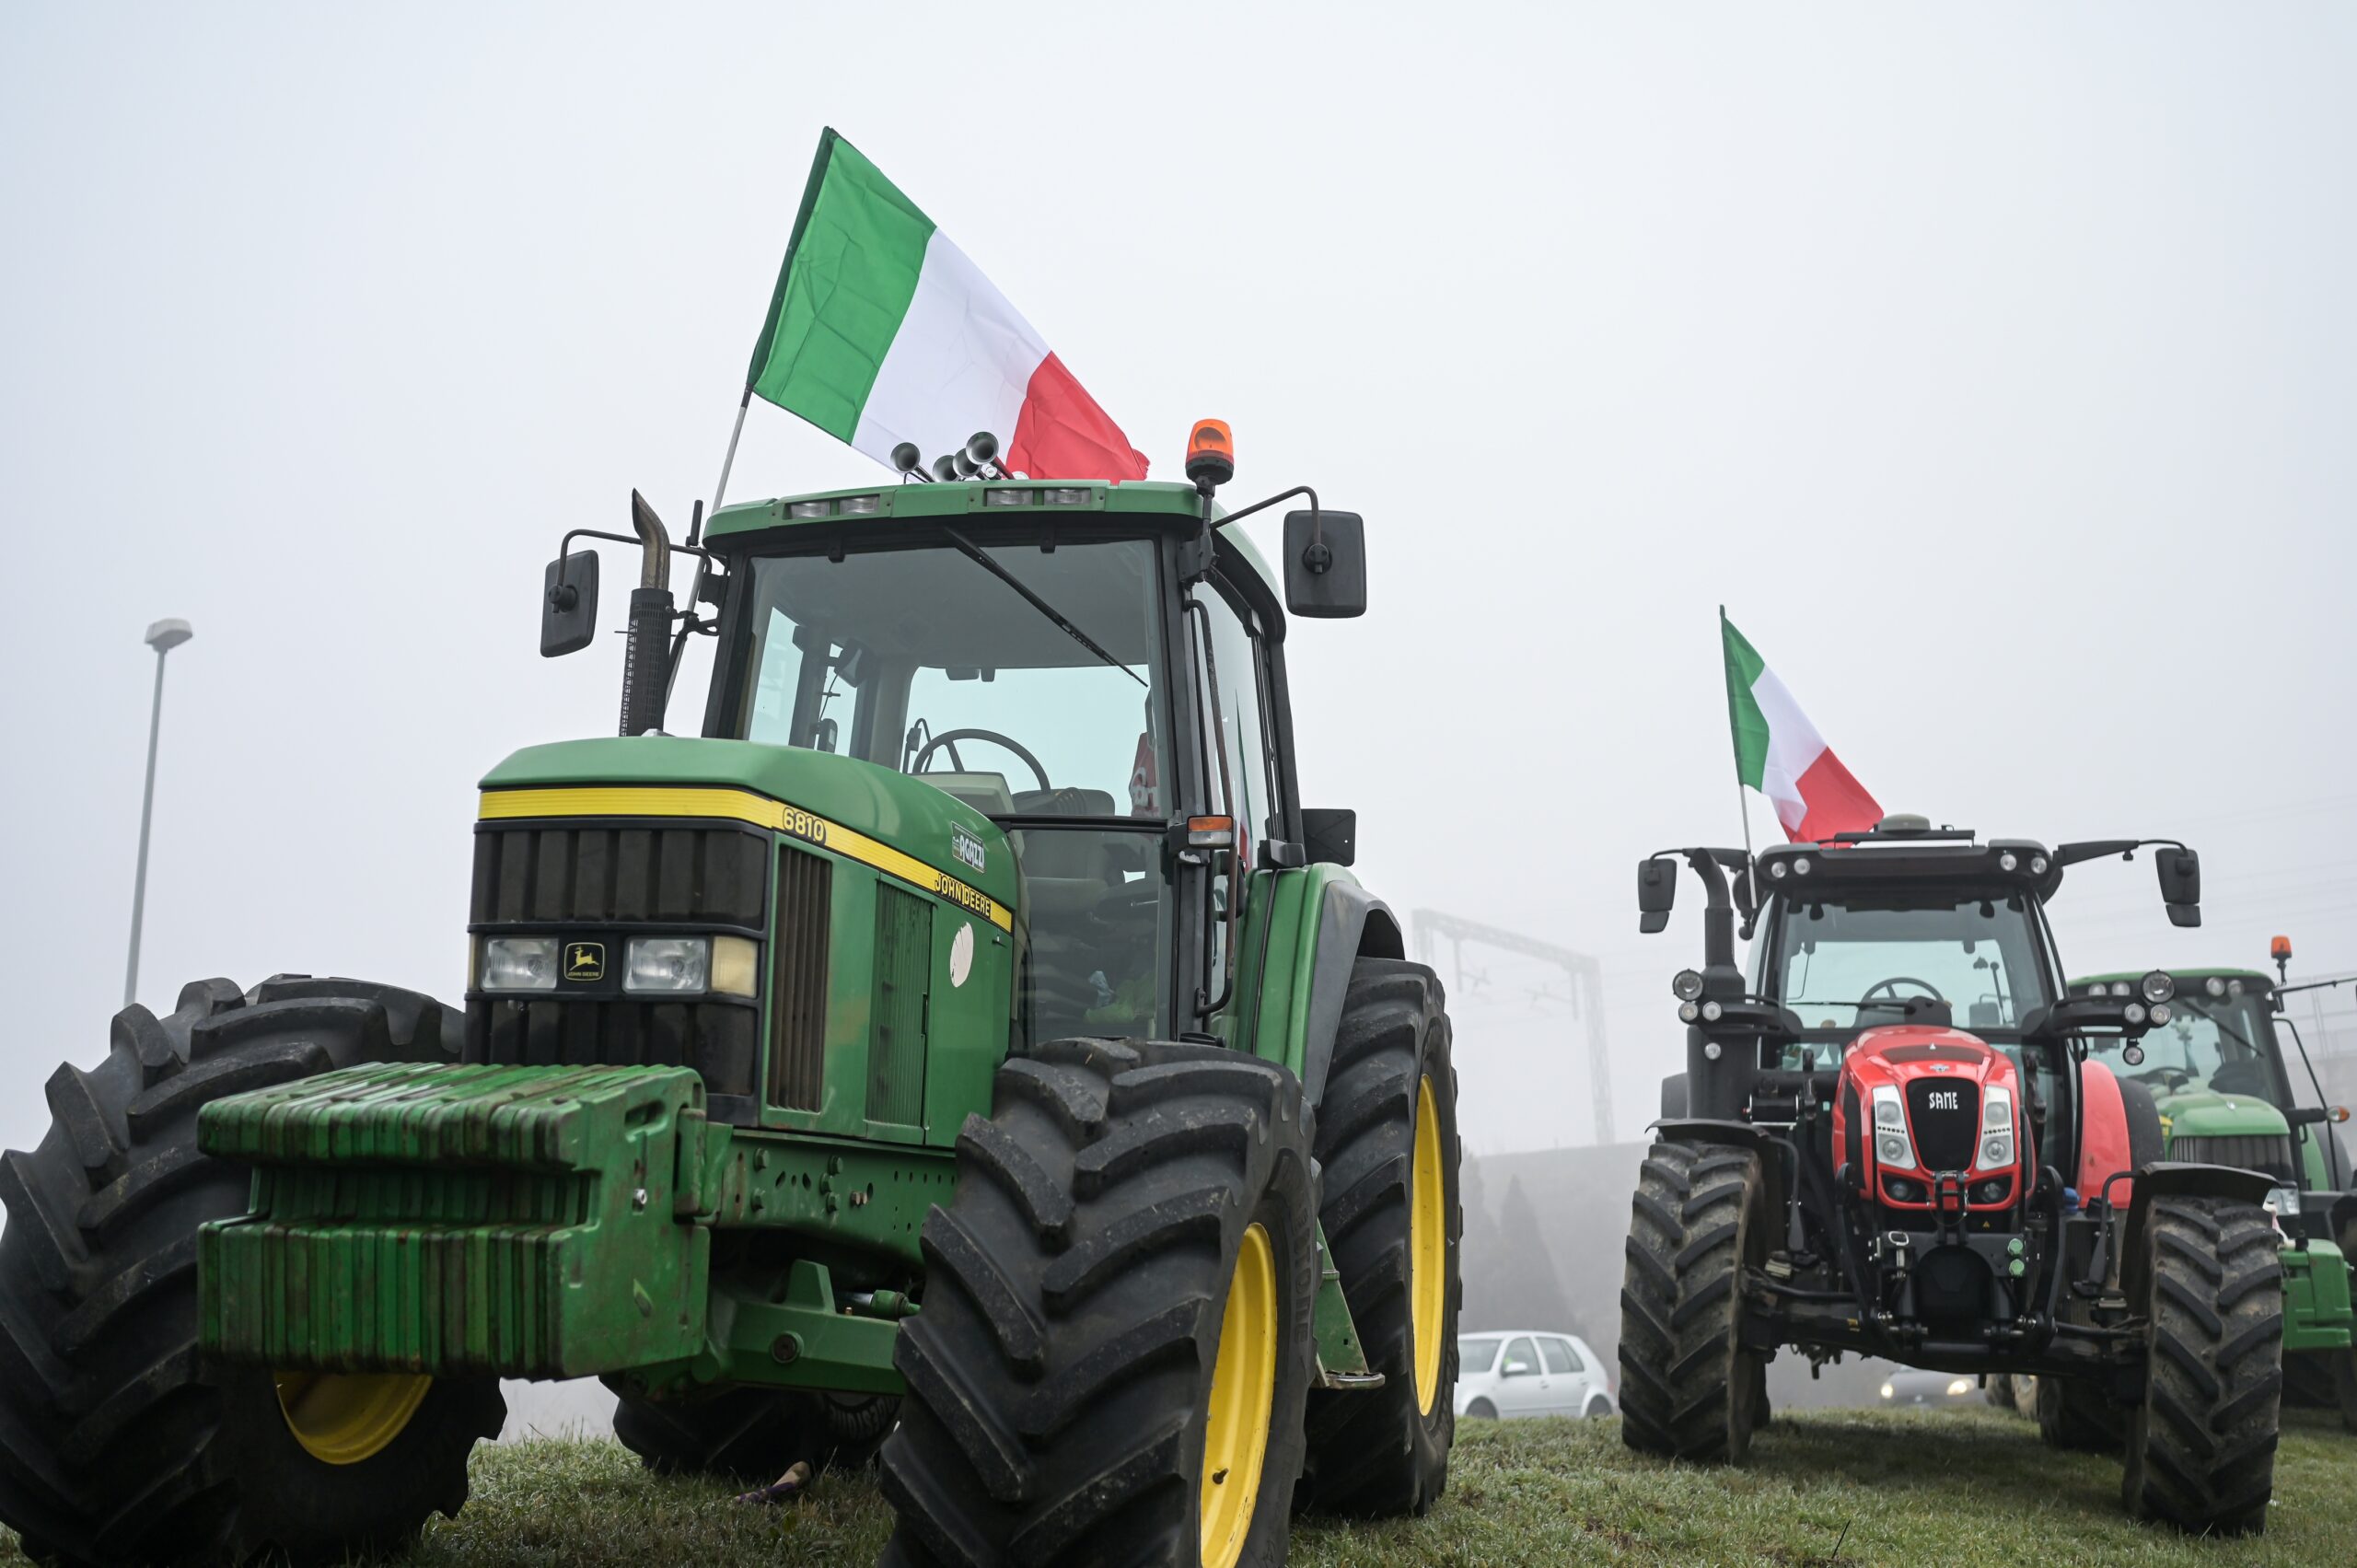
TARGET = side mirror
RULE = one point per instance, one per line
(1333, 835)
(1656, 894)
(1326, 567)
(2180, 874)
(1514, 1369)
(569, 604)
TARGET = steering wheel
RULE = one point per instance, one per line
(1892, 985)
(950, 736)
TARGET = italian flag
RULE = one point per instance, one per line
(1779, 752)
(881, 332)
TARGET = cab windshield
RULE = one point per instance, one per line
(2222, 1044)
(935, 661)
(1844, 969)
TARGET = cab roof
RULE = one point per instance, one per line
(1905, 863)
(1148, 502)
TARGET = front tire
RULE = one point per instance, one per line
(2201, 1446)
(1387, 1148)
(1688, 1390)
(117, 1445)
(1115, 1345)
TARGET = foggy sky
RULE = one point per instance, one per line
(1991, 366)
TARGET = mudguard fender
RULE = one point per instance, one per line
(1734, 1135)
(1351, 924)
(2170, 1178)
(1319, 923)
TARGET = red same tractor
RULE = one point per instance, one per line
(1890, 1139)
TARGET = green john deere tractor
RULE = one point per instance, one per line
(1062, 1120)
(2226, 1095)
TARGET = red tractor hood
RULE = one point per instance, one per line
(1940, 1080)
(1893, 1053)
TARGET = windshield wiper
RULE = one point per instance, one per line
(981, 558)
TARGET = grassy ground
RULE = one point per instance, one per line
(1823, 1487)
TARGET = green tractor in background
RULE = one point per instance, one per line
(968, 1049)
(2226, 1095)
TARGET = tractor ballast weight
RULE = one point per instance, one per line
(1850, 1166)
(825, 1089)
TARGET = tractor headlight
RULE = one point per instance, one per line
(1996, 1129)
(518, 963)
(2283, 1203)
(2008, 861)
(1686, 985)
(1886, 1391)
(1892, 1145)
(1959, 1386)
(2157, 986)
(679, 964)
(2214, 985)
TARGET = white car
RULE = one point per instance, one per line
(1519, 1372)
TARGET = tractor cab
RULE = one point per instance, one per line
(1063, 704)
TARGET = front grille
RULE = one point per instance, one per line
(606, 881)
(711, 877)
(717, 1038)
(798, 980)
(2270, 1153)
(1944, 1112)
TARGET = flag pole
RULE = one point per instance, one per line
(729, 461)
(1742, 801)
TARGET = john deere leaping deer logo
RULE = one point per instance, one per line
(585, 961)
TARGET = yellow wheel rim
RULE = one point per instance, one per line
(1244, 1389)
(344, 1418)
(1427, 1249)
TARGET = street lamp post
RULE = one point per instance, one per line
(163, 637)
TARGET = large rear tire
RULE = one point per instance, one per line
(1688, 1390)
(751, 1435)
(1387, 1155)
(116, 1445)
(1115, 1344)
(2201, 1446)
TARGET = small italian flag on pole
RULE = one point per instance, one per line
(1779, 752)
(882, 331)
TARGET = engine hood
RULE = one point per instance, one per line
(1893, 1052)
(2205, 1113)
(939, 831)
